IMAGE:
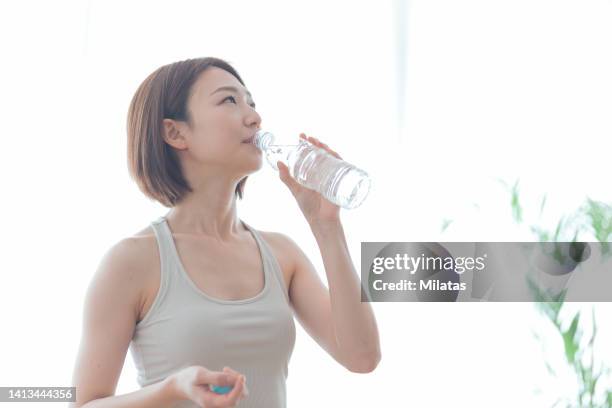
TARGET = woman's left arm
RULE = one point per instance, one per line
(353, 320)
(336, 318)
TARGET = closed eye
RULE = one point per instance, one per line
(252, 105)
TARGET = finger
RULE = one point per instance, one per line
(318, 143)
(314, 141)
(212, 399)
(214, 377)
(236, 373)
(227, 369)
(283, 173)
(311, 139)
(326, 147)
(236, 392)
(333, 153)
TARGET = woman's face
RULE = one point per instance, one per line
(221, 120)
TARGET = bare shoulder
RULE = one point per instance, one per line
(279, 240)
(139, 248)
(285, 250)
(145, 250)
(128, 264)
(129, 256)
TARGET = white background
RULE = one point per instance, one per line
(435, 99)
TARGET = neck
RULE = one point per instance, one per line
(209, 212)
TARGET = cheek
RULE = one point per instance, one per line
(213, 137)
(211, 147)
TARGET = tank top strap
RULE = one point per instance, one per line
(165, 245)
(166, 271)
(270, 261)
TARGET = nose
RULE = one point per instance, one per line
(253, 118)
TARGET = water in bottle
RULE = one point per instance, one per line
(340, 182)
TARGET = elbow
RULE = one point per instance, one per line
(365, 365)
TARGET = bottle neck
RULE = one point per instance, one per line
(265, 140)
(283, 144)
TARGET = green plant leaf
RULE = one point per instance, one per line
(502, 182)
(594, 328)
(517, 211)
(600, 215)
(560, 297)
(557, 402)
(542, 204)
(445, 223)
(593, 384)
(542, 234)
(569, 339)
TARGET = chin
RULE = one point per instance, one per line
(253, 164)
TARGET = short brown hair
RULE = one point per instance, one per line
(152, 162)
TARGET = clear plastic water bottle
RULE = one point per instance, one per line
(340, 182)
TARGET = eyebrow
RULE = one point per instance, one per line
(232, 89)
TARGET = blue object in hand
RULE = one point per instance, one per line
(221, 390)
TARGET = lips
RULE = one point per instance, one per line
(250, 139)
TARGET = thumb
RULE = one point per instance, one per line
(214, 377)
(285, 176)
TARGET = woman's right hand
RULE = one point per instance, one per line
(192, 383)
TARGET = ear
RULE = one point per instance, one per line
(173, 134)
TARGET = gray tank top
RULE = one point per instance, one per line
(185, 327)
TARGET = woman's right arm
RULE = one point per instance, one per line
(110, 313)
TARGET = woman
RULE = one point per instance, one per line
(201, 298)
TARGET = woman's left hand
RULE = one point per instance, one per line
(315, 207)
